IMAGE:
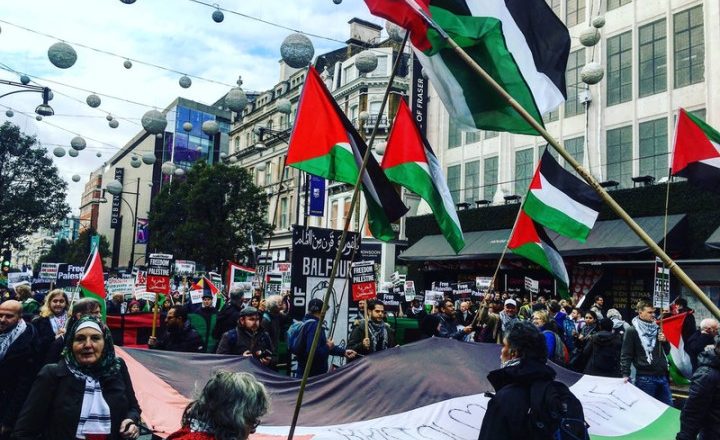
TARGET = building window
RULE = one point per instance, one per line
(619, 68)
(472, 181)
(689, 47)
(619, 160)
(523, 170)
(575, 12)
(576, 61)
(552, 116)
(237, 144)
(268, 173)
(333, 214)
(453, 181)
(554, 5)
(576, 148)
(614, 4)
(491, 134)
(490, 177)
(472, 137)
(454, 135)
(653, 58)
(349, 74)
(284, 213)
(346, 212)
(382, 67)
(654, 148)
(700, 113)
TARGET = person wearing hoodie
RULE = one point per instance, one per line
(701, 413)
(602, 351)
(619, 326)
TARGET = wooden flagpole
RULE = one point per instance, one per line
(582, 172)
(341, 244)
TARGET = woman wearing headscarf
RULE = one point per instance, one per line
(53, 317)
(87, 395)
(228, 408)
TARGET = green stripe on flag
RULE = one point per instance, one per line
(339, 165)
(664, 427)
(85, 293)
(675, 375)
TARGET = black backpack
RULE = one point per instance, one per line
(555, 413)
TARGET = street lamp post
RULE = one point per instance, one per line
(43, 109)
(115, 188)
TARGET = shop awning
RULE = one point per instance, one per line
(607, 237)
(713, 241)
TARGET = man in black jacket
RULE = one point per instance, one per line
(248, 339)
(179, 334)
(700, 339)
(227, 318)
(449, 327)
(701, 413)
(18, 363)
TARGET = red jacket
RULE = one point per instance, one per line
(185, 434)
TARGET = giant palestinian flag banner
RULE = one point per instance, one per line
(325, 143)
(696, 154)
(522, 44)
(451, 406)
(409, 161)
(560, 201)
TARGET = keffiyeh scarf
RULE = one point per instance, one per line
(648, 332)
(7, 339)
(507, 322)
(378, 336)
(95, 412)
(58, 322)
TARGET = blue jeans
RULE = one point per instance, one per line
(655, 386)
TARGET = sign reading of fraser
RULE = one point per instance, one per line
(363, 280)
(158, 273)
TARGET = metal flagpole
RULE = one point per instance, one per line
(341, 244)
(582, 172)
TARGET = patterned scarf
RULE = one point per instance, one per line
(95, 412)
(507, 322)
(7, 338)
(58, 322)
(378, 336)
(648, 332)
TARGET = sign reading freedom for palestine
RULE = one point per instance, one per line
(363, 280)
(158, 273)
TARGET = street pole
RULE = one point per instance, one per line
(131, 263)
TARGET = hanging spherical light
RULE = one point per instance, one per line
(211, 127)
(185, 81)
(114, 123)
(366, 61)
(78, 143)
(284, 106)
(73, 153)
(218, 16)
(114, 187)
(232, 159)
(154, 122)
(167, 168)
(98, 154)
(598, 21)
(380, 147)
(9, 113)
(160, 135)
(261, 166)
(109, 117)
(148, 158)
(187, 126)
(93, 100)
(236, 100)
(223, 155)
(395, 32)
(38, 118)
(76, 178)
(592, 73)
(337, 2)
(62, 55)
(589, 37)
(297, 50)
(363, 116)
(51, 95)
(179, 172)
(128, 2)
(127, 64)
(59, 152)
(135, 162)
(24, 79)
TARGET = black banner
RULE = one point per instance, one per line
(68, 275)
(117, 200)
(418, 105)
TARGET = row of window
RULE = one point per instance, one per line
(575, 9)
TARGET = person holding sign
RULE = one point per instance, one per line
(449, 327)
(380, 335)
(179, 334)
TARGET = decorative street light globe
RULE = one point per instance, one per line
(211, 127)
(236, 100)
(233, 159)
(592, 73)
(78, 143)
(62, 55)
(98, 154)
(109, 117)
(127, 64)
(589, 37)
(59, 152)
(380, 148)
(167, 168)
(218, 16)
(297, 50)
(114, 123)
(363, 116)
(598, 21)
(135, 162)
(73, 153)
(185, 81)
(76, 178)
(187, 126)
(93, 100)
(179, 172)
(154, 122)
(114, 187)
(284, 106)
(149, 158)
(223, 155)
(9, 113)
(261, 166)
(24, 79)
(366, 61)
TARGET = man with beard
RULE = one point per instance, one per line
(508, 317)
(248, 339)
(18, 363)
(179, 334)
(449, 327)
(380, 335)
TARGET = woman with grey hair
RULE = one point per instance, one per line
(228, 408)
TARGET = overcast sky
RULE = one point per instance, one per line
(175, 34)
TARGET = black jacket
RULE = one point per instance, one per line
(186, 340)
(506, 416)
(449, 328)
(52, 410)
(464, 320)
(358, 334)
(602, 352)
(17, 371)
(227, 319)
(45, 333)
(633, 353)
(701, 414)
(237, 341)
(696, 345)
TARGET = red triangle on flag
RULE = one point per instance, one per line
(691, 144)
(405, 143)
(93, 279)
(524, 232)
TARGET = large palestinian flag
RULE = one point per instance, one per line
(680, 363)
(92, 282)
(324, 143)
(522, 44)
(560, 201)
(409, 161)
(696, 154)
(405, 404)
(529, 240)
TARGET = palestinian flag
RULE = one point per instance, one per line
(680, 363)
(529, 240)
(324, 143)
(696, 154)
(92, 282)
(203, 286)
(411, 409)
(561, 201)
(409, 161)
(522, 44)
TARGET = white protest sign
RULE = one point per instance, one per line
(409, 290)
(532, 285)
(433, 297)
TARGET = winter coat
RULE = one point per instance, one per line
(185, 434)
(227, 319)
(186, 340)
(358, 334)
(602, 353)
(52, 410)
(45, 333)
(17, 372)
(449, 328)
(506, 416)
(322, 352)
(238, 340)
(633, 353)
(696, 345)
(701, 414)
